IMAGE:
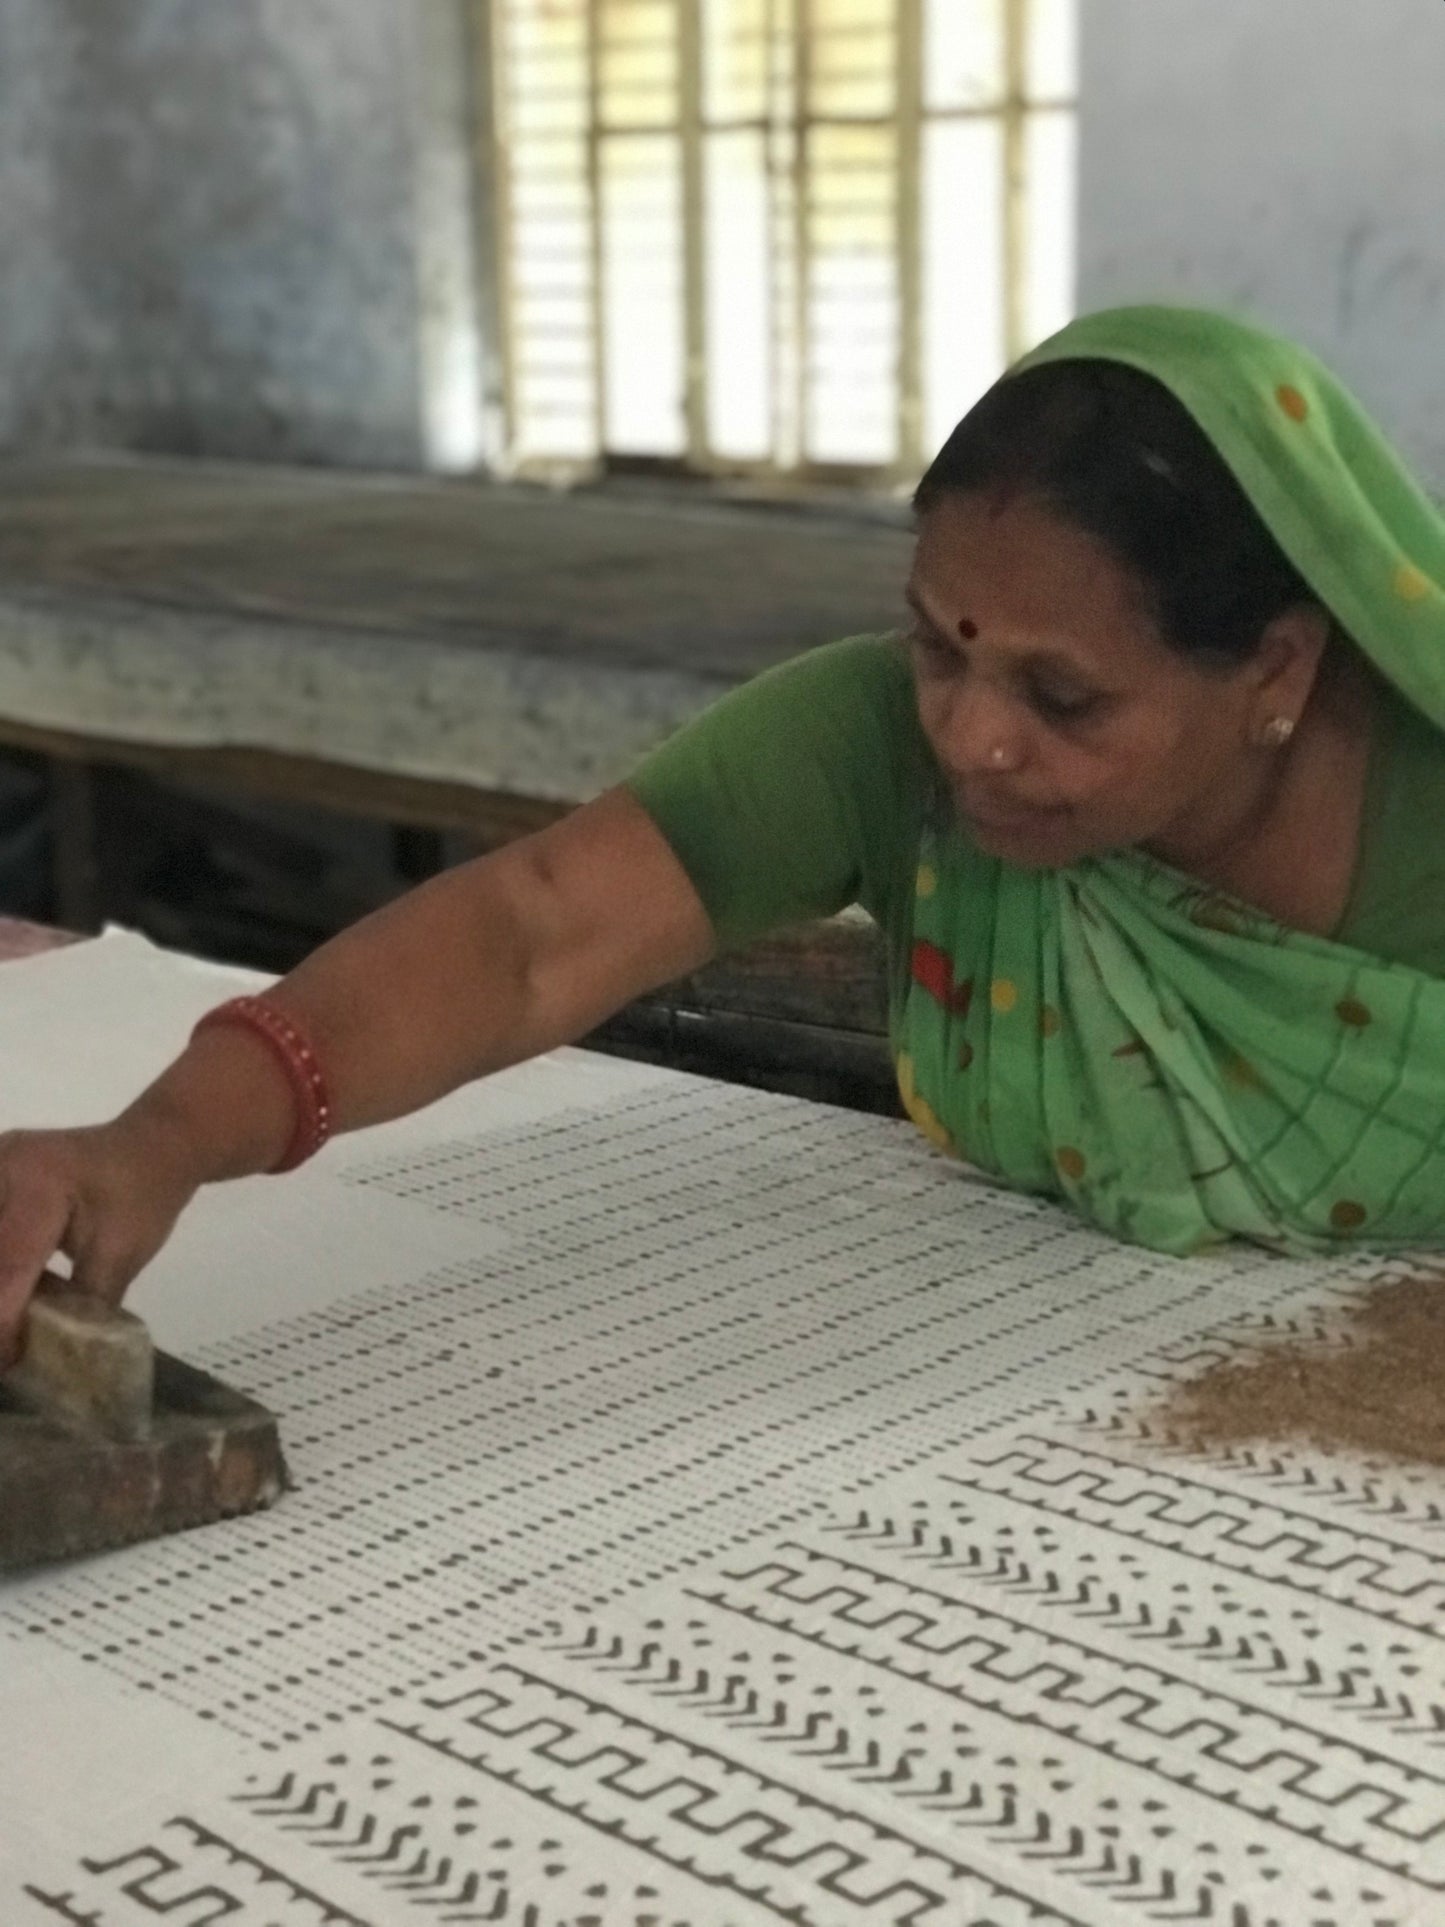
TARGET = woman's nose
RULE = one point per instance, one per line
(976, 733)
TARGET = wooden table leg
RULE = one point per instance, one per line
(77, 868)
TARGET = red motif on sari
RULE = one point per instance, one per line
(933, 972)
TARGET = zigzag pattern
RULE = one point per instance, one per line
(1304, 1564)
(156, 1866)
(319, 1814)
(1362, 1490)
(752, 1835)
(1346, 1689)
(992, 1655)
(1211, 1513)
(991, 1807)
(1134, 1724)
(207, 1904)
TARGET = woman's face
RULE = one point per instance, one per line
(1062, 723)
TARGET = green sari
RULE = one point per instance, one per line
(1181, 1067)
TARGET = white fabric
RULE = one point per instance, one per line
(710, 1508)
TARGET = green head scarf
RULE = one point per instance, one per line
(1179, 1066)
(1333, 493)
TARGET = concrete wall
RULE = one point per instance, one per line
(1285, 158)
(213, 226)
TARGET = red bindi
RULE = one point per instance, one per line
(968, 630)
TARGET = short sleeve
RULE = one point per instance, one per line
(797, 794)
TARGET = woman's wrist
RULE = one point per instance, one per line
(222, 1110)
(294, 1055)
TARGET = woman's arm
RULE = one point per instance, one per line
(492, 963)
(487, 965)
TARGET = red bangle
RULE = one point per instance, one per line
(292, 1050)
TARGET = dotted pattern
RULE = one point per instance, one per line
(718, 1309)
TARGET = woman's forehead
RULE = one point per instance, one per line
(1021, 575)
(1017, 540)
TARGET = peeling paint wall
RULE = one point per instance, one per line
(1288, 160)
(30, 267)
(209, 214)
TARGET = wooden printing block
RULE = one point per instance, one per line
(104, 1440)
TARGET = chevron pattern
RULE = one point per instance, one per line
(630, 1780)
(1344, 1689)
(990, 1806)
(397, 1858)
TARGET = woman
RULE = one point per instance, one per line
(1150, 811)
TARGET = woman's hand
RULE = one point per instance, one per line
(107, 1197)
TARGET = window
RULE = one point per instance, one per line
(792, 237)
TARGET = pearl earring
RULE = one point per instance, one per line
(1277, 731)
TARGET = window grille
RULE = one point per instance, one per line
(774, 237)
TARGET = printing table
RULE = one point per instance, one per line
(446, 657)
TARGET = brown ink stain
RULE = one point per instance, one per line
(1374, 1383)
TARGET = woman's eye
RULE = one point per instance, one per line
(1063, 706)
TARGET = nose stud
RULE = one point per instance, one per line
(998, 756)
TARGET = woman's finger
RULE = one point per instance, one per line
(105, 1268)
(33, 1224)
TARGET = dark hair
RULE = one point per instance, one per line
(1110, 451)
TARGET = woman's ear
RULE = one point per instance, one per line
(1286, 664)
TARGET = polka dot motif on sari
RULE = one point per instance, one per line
(1292, 402)
(918, 1108)
(1411, 584)
(1004, 995)
(1347, 1215)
